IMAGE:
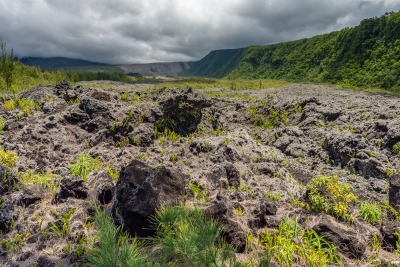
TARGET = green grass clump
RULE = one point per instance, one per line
(8, 157)
(199, 192)
(2, 123)
(186, 238)
(328, 194)
(84, 165)
(292, 246)
(183, 238)
(233, 84)
(40, 178)
(371, 212)
(114, 248)
(396, 148)
(113, 172)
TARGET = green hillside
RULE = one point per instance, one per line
(367, 55)
(211, 64)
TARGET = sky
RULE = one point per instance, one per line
(145, 31)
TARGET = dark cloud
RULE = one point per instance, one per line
(124, 31)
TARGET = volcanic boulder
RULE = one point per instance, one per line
(141, 190)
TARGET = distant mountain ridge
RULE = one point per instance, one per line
(55, 63)
(166, 68)
(365, 55)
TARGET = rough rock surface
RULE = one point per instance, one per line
(141, 190)
(244, 156)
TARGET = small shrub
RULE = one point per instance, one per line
(396, 148)
(371, 212)
(173, 157)
(291, 243)
(186, 238)
(84, 165)
(113, 248)
(2, 123)
(8, 157)
(199, 192)
(10, 105)
(113, 172)
(328, 194)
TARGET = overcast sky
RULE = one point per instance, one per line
(143, 31)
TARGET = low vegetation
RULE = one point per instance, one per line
(83, 165)
(329, 195)
(292, 246)
(183, 238)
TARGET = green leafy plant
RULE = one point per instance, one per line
(198, 192)
(113, 172)
(396, 148)
(185, 238)
(290, 244)
(8, 157)
(328, 194)
(40, 178)
(84, 165)
(371, 212)
(65, 218)
(274, 196)
(114, 247)
(10, 105)
(239, 211)
(15, 244)
(173, 157)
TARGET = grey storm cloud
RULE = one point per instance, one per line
(139, 31)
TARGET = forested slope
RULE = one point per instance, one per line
(367, 55)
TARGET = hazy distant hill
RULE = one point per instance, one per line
(58, 63)
(167, 68)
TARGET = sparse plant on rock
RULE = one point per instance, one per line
(291, 245)
(328, 194)
(396, 148)
(186, 238)
(198, 192)
(113, 172)
(114, 248)
(8, 157)
(371, 212)
(84, 165)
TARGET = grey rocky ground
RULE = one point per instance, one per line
(231, 150)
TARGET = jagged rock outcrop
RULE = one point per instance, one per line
(141, 190)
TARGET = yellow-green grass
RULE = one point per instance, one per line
(236, 84)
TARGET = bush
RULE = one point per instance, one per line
(328, 194)
(183, 238)
(371, 212)
(291, 243)
(8, 157)
(396, 148)
(114, 248)
(186, 238)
